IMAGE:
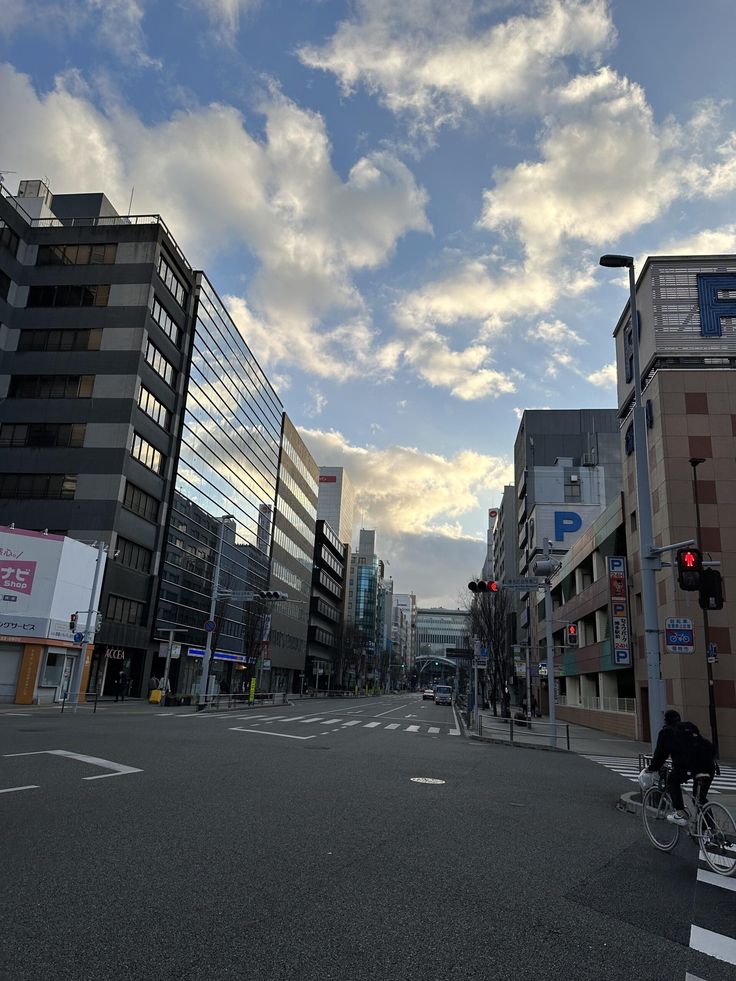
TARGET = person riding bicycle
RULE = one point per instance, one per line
(692, 756)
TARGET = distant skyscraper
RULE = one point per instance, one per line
(336, 503)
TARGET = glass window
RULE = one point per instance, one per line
(42, 434)
(76, 255)
(140, 503)
(51, 386)
(4, 285)
(133, 556)
(146, 454)
(37, 485)
(148, 403)
(163, 368)
(60, 340)
(172, 281)
(165, 322)
(9, 239)
(68, 295)
(52, 669)
(122, 610)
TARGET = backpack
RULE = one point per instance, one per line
(690, 750)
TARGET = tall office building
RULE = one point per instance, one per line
(292, 559)
(365, 582)
(336, 504)
(120, 423)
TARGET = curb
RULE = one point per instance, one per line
(627, 803)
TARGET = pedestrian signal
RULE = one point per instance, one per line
(572, 634)
(711, 590)
(73, 617)
(689, 568)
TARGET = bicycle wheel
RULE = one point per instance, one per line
(717, 833)
(655, 807)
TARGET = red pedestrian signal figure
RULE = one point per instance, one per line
(572, 634)
(689, 568)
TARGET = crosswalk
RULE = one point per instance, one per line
(713, 927)
(628, 767)
(343, 723)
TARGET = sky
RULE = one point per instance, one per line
(402, 205)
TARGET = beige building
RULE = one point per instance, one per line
(688, 363)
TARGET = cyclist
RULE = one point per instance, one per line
(692, 756)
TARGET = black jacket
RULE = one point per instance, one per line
(663, 749)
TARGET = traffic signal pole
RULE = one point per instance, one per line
(694, 463)
(213, 602)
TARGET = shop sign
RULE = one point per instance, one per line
(115, 653)
(618, 596)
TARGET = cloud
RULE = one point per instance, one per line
(406, 490)
(464, 373)
(307, 229)
(224, 16)
(315, 407)
(604, 377)
(118, 24)
(707, 241)
(431, 59)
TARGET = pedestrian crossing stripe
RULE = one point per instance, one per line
(627, 767)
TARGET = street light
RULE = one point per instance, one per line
(695, 462)
(649, 560)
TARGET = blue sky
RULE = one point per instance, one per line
(402, 204)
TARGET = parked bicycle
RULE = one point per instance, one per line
(711, 825)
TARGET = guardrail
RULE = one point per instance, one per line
(527, 732)
(622, 706)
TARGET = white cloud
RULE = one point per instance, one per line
(431, 59)
(707, 241)
(118, 24)
(466, 373)
(604, 377)
(224, 16)
(406, 490)
(308, 229)
(317, 404)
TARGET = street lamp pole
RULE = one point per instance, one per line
(213, 603)
(695, 462)
(649, 560)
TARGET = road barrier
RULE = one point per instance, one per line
(526, 732)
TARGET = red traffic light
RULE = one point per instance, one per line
(689, 563)
(572, 634)
(689, 560)
(480, 586)
(492, 586)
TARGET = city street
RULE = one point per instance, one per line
(295, 842)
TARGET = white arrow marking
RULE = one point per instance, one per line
(118, 768)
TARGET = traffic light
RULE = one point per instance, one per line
(73, 617)
(711, 590)
(571, 634)
(483, 586)
(689, 568)
(271, 594)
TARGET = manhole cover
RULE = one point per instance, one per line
(425, 780)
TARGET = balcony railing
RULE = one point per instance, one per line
(625, 706)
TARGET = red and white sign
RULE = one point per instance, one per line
(17, 576)
(328, 478)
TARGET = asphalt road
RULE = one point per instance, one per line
(292, 843)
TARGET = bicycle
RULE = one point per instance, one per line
(712, 825)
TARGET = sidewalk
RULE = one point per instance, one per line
(582, 740)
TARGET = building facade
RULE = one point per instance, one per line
(336, 503)
(687, 336)
(325, 652)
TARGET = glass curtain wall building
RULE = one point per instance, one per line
(224, 497)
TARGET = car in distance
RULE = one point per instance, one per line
(442, 695)
(428, 693)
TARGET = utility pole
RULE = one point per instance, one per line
(91, 621)
(213, 603)
(547, 567)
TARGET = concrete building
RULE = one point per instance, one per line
(325, 653)
(688, 362)
(406, 603)
(292, 559)
(364, 608)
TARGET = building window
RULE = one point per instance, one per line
(76, 255)
(172, 281)
(37, 485)
(133, 556)
(42, 434)
(140, 503)
(51, 386)
(148, 455)
(163, 368)
(165, 322)
(122, 610)
(148, 403)
(60, 340)
(9, 239)
(4, 285)
(71, 295)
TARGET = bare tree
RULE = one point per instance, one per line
(489, 623)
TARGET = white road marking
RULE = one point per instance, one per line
(329, 722)
(394, 725)
(371, 725)
(265, 732)
(454, 732)
(289, 718)
(118, 768)
(713, 879)
(162, 714)
(355, 722)
(433, 729)
(314, 718)
(12, 790)
(412, 729)
(18, 715)
(716, 944)
(395, 709)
